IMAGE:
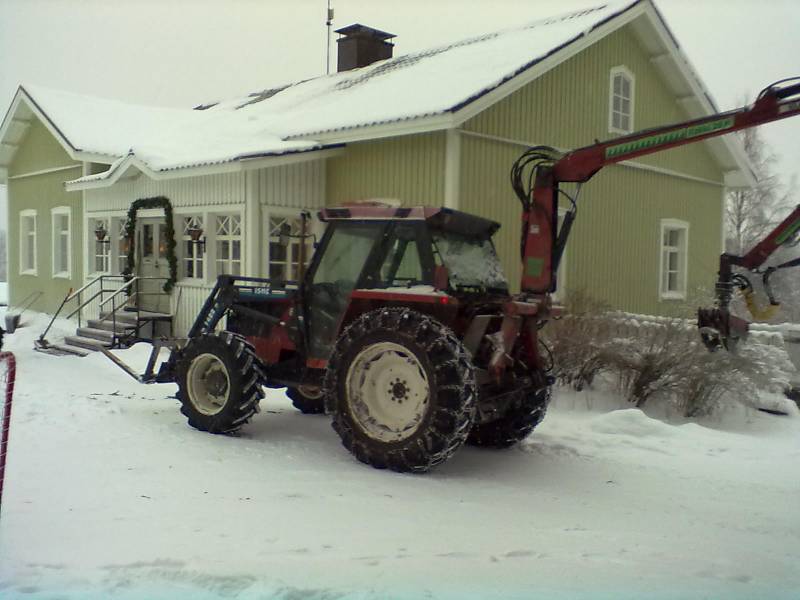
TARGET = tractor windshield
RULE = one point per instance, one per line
(471, 261)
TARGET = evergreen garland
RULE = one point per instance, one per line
(130, 235)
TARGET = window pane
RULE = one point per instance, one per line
(626, 87)
(672, 282)
(147, 240)
(625, 123)
(276, 271)
(617, 104)
(672, 263)
(64, 252)
(617, 84)
(277, 252)
(674, 238)
(31, 252)
(236, 249)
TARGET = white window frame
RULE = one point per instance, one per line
(211, 220)
(624, 71)
(683, 259)
(200, 251)
(292, 213)
(55, 241)
(24, 234)
(91, 254)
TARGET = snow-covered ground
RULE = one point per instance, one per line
(109, 494)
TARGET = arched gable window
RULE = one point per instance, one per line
(621, 98)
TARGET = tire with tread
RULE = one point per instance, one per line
(306, 404)
(449, 411)
(521, 418)
(241, 366)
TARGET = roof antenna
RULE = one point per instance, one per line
(328, 24)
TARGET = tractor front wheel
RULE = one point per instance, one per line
(401, 389)
(308, 400)
(219, 382)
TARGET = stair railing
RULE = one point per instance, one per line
(81, 304)
(130, 285)
(132, 293)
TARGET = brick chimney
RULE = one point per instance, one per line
(360, 46)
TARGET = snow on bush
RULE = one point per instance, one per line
(662, 359)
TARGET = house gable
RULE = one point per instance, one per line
(567, 107)
(38, 151)
(36, 176)
(613, 253)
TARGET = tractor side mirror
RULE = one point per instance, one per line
(285, 233)
(441, 277)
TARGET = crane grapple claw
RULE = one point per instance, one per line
(719, 329)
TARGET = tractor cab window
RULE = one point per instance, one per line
(402, 266)
(472, 262)
(344, 254)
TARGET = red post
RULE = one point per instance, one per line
(9, 376)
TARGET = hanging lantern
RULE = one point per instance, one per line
(100, 232)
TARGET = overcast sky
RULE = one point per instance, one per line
(183, 52)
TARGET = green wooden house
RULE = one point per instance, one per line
(439, 127)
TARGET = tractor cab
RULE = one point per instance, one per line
(376, 251)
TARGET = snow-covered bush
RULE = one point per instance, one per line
(712, 379)
(647, 359)
(661, 359)
(577, 340)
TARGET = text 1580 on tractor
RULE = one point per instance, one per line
(403, 327)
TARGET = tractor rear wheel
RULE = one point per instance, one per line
(219, 382)
(308, 400)
(401, 389)
(523, 415)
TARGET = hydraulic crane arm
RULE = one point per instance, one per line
(542, 242)
(773, 103)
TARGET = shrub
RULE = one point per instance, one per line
(577, 340)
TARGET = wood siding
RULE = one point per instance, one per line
(39, 151)
(409, 168)
(614, 251)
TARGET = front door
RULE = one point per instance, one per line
(151, 261)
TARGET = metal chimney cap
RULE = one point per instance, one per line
(359, 30)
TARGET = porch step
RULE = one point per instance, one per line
(85, 342)
(108, 325)
(104, 335)
(126, 316)
(67, 349)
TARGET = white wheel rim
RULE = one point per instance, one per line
(387, 391)
(209, 384)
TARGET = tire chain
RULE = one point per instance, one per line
(456, 388)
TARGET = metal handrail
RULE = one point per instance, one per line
(103, 290)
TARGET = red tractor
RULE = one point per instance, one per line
(404, 328)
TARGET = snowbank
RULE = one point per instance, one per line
(109, 494)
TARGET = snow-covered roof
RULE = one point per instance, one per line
(415, 88)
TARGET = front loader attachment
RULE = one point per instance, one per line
(164, 374)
